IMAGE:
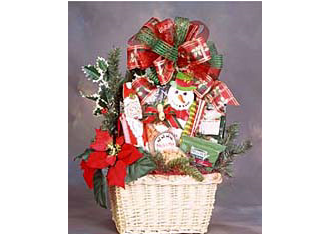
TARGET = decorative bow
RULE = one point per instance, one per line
(117, 158)
(168, 46)
(151, 114)
(165, 47)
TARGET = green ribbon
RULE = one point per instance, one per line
(216, 59)
(181, 29)
(152, 75)
(159, 46)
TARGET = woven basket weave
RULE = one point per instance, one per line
(164, 204)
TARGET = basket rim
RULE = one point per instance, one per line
(211, 178)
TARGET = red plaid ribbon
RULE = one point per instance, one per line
(171, 46)
(140, 56)
(192, 50)
(151, 115)
(143, 88)
(220, 96)
(164, 69)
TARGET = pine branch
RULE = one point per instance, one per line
(183, 165)
(227, 157)
(232, 131)
(160, 163)
(178, 162)
(113, 63)
(193, 172)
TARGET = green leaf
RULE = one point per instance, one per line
(97, 111)
(91, 72)
(140, 168)
(83, 156)
(102, 64)
(100, 189)
(92, 97)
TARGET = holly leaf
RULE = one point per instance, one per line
(97, 111)
(101, 64)
(100, 189)
(93, 97)
(84, 155)
(91, 72)
(140, 168)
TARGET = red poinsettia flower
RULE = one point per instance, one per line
(96, 160)
(117, 163)
(100, 160)
(102, 140)
(127, 156)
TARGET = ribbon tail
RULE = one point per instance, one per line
(173, 121)
(164, 70)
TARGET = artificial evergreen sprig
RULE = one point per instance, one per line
(233, 149)
(105, 73)
(160, 163)
(183, 164)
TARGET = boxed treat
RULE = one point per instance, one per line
(205, 152)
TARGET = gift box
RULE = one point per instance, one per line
(205, 152)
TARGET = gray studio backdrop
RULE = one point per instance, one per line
(95, 27)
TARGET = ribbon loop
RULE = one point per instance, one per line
(151, 115)
(169, 47)
(181, 29)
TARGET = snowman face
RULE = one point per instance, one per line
(180, 100)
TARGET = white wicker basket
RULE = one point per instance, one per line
(164, 204)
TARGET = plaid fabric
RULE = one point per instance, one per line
(164, 70)
(143, 88)
(220, 96)
(178, 46)
(140, 56)
(202, 89)
(196, 51)
(192, 32)
(166, 31)
(151, 24)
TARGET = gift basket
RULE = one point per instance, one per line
(163, 145)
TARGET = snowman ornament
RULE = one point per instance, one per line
(181, 96)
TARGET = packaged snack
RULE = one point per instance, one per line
(164, 141)
(170, 154)
(205, 152)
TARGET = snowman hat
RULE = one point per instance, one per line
(183, 82)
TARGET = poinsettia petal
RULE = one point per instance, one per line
(117, 174)
(111, 160)
(102, 140)
(88, 174)
(120, 140)
(125, 151)
(98, 160)
(129, 154)
(98, 146)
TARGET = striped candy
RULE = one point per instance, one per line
(192, 112)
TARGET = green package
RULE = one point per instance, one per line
(205, 152)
